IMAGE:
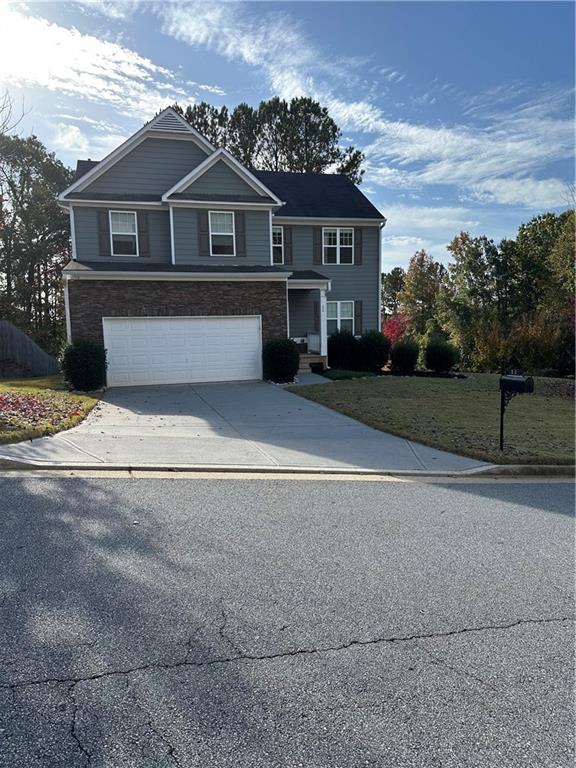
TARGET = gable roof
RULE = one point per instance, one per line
(221, 155)
(166, 123)
(306, 195)
(318, 195)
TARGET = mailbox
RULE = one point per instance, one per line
(517, 385)
(512, 384)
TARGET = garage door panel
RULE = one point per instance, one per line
(180, 350)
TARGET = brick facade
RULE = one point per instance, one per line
(91, 300)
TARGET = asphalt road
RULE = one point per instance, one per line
(263, 623)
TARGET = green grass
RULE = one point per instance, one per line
(341, 374)
(461, 415)
(48, 396)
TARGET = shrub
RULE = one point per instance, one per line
(280, 358)
(373, 351)
(84, 365)
(343, 351)
(404, 355)
(395, 327)
(440, 356)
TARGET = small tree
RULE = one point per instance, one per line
(395, 327)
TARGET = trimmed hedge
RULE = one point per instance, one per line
(373, 351)
(84, 365)
(404, 356)
(343, 351)
(281, 359)
(440, 356)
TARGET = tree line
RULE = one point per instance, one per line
(511, 301)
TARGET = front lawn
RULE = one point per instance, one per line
(39, 406)
(461, 415)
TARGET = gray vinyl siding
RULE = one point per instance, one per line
(88, 246)
(349, 282)
(257, 239)
(220, 180)
(301, 311)
(151, 168)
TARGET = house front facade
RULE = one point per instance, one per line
(184, 262)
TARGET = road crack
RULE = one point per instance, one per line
(168, 666)
(73, 724)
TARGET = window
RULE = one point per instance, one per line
(123, 233)
(222, 233)
(338, 245)
(277, 245)
(340, 316)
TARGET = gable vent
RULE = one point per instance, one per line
(169, 122)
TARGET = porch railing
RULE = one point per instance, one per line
(313, 343)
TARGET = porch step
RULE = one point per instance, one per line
(306, 359)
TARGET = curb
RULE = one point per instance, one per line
(490, 470)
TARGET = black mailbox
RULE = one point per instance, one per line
(516, 384)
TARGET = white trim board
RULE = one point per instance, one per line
(144, 132)
(225, 156)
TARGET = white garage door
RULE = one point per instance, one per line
(178, 350)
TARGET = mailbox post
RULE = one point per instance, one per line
(512, 384)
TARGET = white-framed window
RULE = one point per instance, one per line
(222, 241)
(277, 245)
(338, 245)
(123, 233)
(339, 316)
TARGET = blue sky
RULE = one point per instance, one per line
(464, 110)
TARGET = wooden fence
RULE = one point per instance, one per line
(17, 348)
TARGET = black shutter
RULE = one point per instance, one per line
(287, 234)
(316, 315)
(143, 240)
(240, 233)
(357, 245)
(357, 318)
(203, 235)
(104, 234)
(317, 245)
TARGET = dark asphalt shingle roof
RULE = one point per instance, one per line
(221, 198)
(142, 265)
(313, 195)
(318, 195)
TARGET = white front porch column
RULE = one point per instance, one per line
(323, 324)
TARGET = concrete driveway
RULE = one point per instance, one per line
(246, 424)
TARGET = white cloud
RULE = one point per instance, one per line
(118, 10)
(513, 142)
(72, 64)
(531, 193)
(431, 220)
(69, 138)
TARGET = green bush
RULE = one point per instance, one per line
(84, 365)
(440, 356)
(343, 351)
(373, 351)
(404, 355)
(280, 359)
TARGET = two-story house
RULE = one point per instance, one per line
(184, 262)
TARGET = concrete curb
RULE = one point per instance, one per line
(490, 470)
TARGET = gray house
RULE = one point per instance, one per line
(184, 262)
